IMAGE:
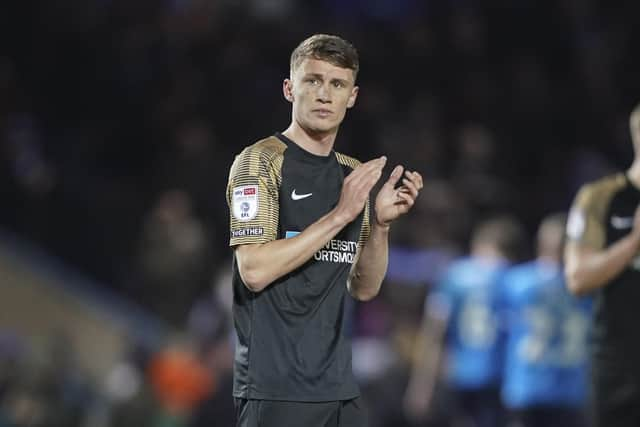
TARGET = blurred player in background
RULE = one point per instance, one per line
(302, 237)
(461, 326)
(545, 368)
(601, 257)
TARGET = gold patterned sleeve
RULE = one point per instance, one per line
(586, 224)
(253, 197)
(365, 229)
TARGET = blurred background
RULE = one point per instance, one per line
(119, 120)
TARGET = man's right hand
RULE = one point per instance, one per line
(356, 188)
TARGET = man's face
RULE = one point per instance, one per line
(320, 93)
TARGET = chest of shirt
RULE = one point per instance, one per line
(307, 192)
(619, 217)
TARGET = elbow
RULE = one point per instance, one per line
(362, 293)
(364, 296)
(254, 275)
(253, 279)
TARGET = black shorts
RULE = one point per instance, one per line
(548, 416)
(482, 407)
(615, 398)
(276, 413)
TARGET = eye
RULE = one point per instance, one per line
(338, 84)
(312, 80)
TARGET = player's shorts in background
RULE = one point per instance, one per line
(616, 397)
(274, 413)
(548, 416)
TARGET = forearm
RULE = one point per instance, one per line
(371, 266)
(587, 271)
(262, 264)
(426, 358)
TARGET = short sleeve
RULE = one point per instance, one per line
(585, 222)
(365, 229)
(253, 197)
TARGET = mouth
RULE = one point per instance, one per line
(322, 112)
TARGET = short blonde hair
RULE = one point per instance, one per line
(325, 47)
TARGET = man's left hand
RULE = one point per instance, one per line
(392, 202)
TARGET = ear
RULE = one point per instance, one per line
(352, 98)
(287, 90)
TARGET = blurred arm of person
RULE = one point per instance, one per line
(427, 359)
(261, 264)
(588, 265)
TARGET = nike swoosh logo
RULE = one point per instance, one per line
(295, 196)
(621, 222)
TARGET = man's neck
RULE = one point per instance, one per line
(319, 144)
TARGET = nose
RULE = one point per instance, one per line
(324, 94)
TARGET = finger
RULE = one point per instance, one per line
(419, 180)
(361, 187)
(370, 176)
(373, 178)
(375, 166)
(416, 178)
(406, 199)
(376, 163)
(395, 176)
(410, 186)
(379, 163)
(368, 167)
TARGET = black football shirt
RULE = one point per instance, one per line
(291, 336)
(601, 214)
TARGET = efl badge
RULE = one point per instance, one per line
(245, 202)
